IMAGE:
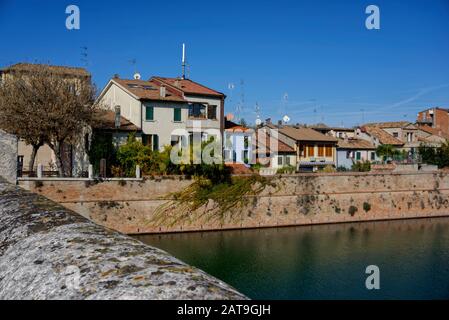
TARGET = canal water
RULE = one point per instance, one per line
(323, 262)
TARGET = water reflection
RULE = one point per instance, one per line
(323, 262)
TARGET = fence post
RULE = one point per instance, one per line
(40, 169)
(138, 172)
(91, 171)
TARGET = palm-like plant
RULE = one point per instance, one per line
(387, 151)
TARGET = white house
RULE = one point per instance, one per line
(237, 143)
(160, 106)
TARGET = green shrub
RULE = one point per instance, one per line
(436, 156)
(361, 166)
(366, 206)
(133, 153)
(286, 170)
(352, 210)
(342, 169)
(328, 169)
(101, 147)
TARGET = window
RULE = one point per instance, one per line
(280, 161)
(155, 142)
(358, 156)
(320, 151)
(409, 137)
(177, 115)
(197, 110)
(395, 134)
(151, 140)
(246, 142)
(227, 155)
(310, 151)
(245, 156)
(149, 113)
(212, 112)
(228, 141)
(287, 160)
(329, 151)
(117, 117)
(373, 156)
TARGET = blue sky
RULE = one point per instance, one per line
(318, 52)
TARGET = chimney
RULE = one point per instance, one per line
(163, 92)
(268, 121)
(117, 117)
(116, 76)
(177, 83)
(279, 123)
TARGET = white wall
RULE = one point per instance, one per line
(129, 106)
(163, 124)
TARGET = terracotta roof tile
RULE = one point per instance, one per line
(384, 125)
(434, 131)
(305, 134)
(383, 136)
(359, 144)
(281, 146)
(105, 120)
(28, 67)
(188, 86)
(234, 127)
(147, 90)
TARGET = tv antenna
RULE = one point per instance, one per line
(240, 106)
(84, 56)
(257, 110)
(185, 66)
(133, 63)
(231, 88)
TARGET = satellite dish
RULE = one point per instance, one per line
(258, 122)
(286, 119)
(137, 76)
(231, 86)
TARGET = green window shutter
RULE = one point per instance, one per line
(155, 142)
(149, 113)
(177, 115)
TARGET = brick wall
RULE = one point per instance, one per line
(300, 199)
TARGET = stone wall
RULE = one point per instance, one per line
(49, 252)
(8, 156)
(292, 200)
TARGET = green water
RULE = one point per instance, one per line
(323, 262)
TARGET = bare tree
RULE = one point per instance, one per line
(45, 106)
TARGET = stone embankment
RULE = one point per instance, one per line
(289, 200)
(50, 252)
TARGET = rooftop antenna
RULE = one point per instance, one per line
(231, 87)
(285, 118)
(183, 60)
(257, 110)
(241, 103)
(84, 56)
(133, 62)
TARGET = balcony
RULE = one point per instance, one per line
(427, 120)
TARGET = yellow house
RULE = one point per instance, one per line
(314, 150)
